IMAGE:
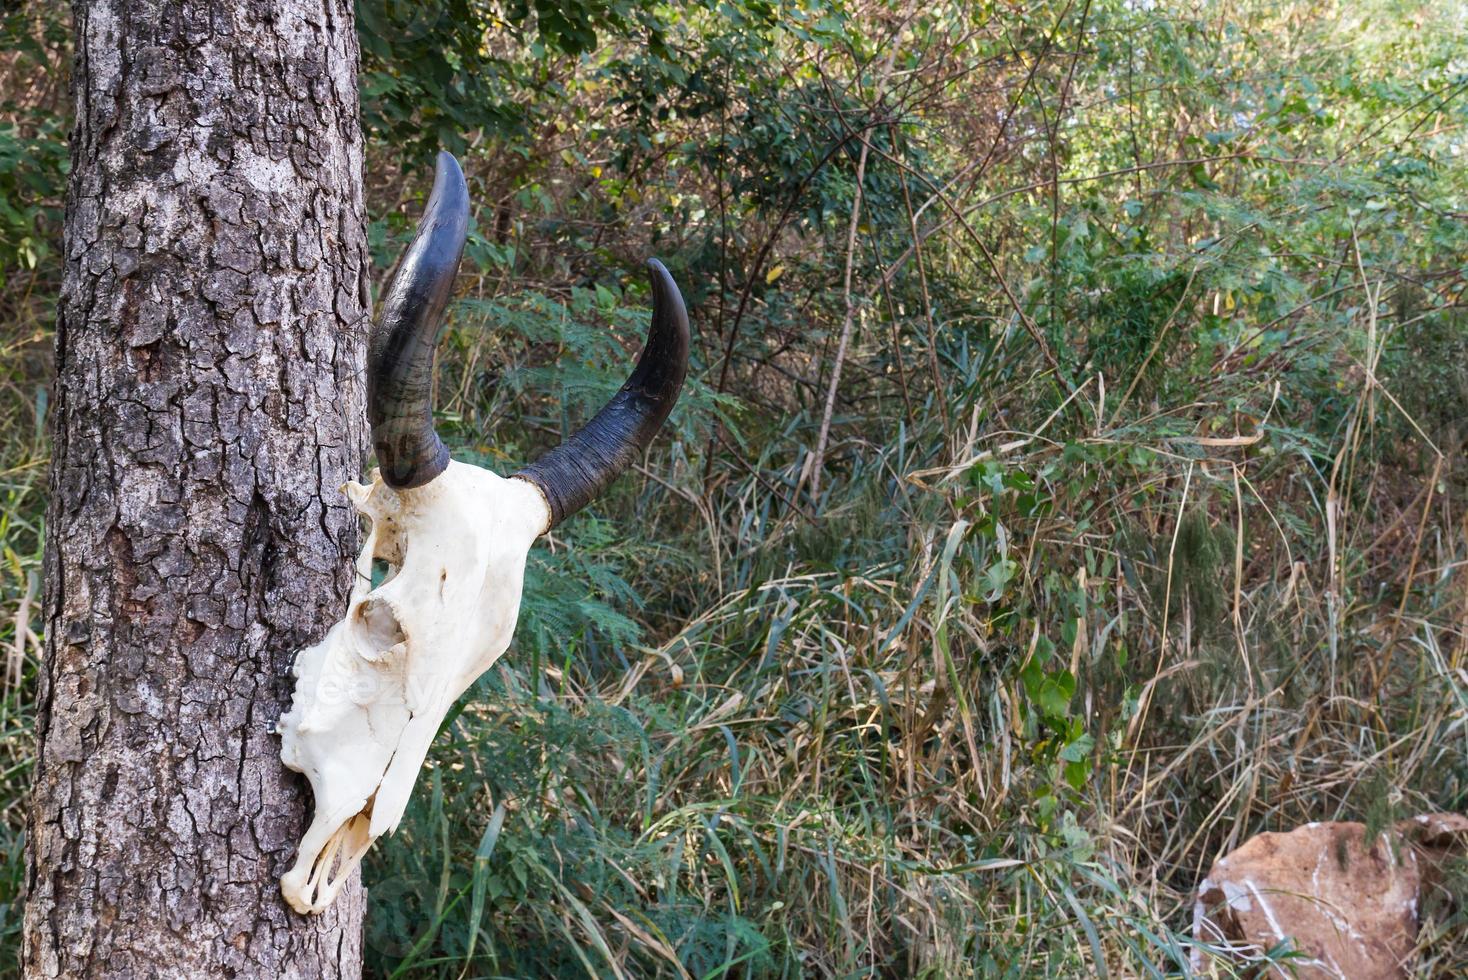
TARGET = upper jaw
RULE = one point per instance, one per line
(371, 695)
(325, 862)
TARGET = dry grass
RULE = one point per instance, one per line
(1095, 562)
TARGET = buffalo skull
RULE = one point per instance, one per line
(370, 696)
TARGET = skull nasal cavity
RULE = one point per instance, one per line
(382, 628)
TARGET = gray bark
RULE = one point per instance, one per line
(208, 406)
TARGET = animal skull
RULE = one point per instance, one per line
(371, 695)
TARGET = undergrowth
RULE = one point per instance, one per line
(1133, 525)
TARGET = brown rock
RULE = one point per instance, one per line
(1346, 906)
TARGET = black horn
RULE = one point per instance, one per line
(400, 350)
(573, 473)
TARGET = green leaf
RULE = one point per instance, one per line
(1079, 749)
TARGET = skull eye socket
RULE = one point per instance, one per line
(379, 633)
(383, 572)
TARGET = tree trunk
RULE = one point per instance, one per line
(208, 405)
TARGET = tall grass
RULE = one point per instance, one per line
(32, 168)
(1138, 527)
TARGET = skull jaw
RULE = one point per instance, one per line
(341, 831)
(370, 696)
(343, 750)
(317, 877)
(341, 834)
(361, 760)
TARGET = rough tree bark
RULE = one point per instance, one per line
(208, 405)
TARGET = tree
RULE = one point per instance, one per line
(208, 405)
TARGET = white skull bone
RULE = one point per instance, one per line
(371, 695)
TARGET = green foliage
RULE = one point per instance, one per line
(32, 173)
(1131, 319)
(1135, 527)
(436, 72)
(33, 153)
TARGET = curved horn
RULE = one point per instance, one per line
(573, 473)
(400, 350)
